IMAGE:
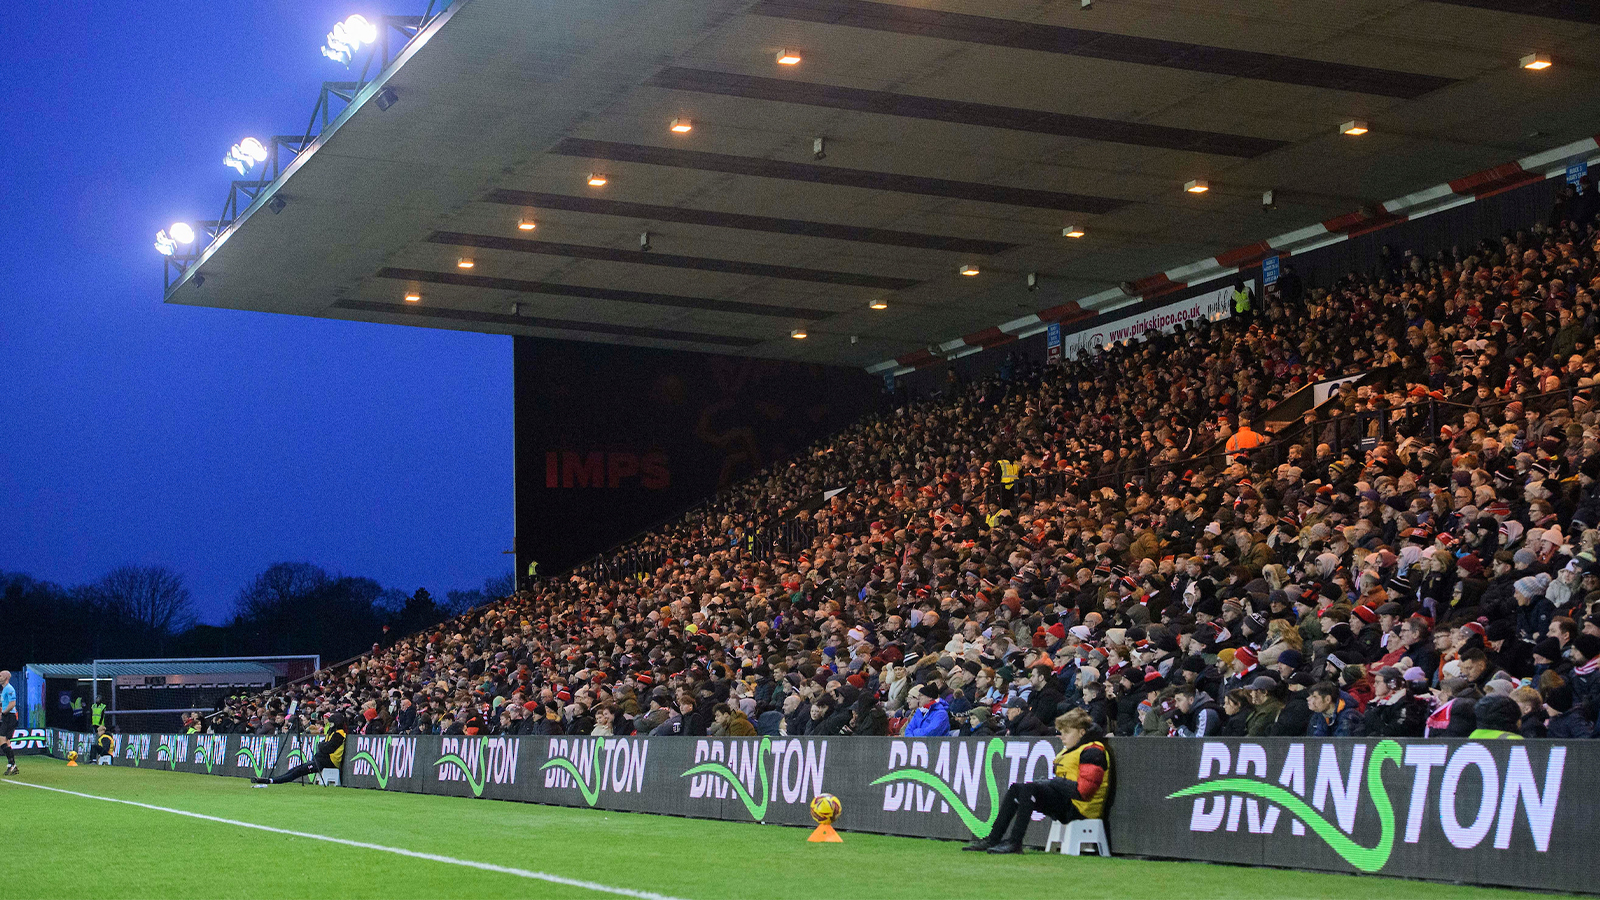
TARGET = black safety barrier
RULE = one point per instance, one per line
(1493, 812)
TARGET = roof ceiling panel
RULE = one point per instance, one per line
(995, 122)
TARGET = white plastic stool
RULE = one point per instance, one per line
(1073, 837)
(103, 761)
(329, 778)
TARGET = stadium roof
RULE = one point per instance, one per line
(113, 670)
(956, 133)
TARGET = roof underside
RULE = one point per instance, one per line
(956, 132)
(113, 670)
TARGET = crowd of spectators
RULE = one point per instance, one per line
(1415, 556)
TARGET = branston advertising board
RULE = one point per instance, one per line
(1516, 813)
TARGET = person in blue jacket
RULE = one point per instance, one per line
(1333, 714)
(932, 716)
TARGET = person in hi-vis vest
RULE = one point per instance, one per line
(1081, 788)
(1243, 299)
(1009, 469)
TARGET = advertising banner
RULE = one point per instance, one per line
(1512, 813)
(1210, 306)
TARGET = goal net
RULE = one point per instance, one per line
(153, 695)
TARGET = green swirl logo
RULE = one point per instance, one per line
(476, 782)
(376, 764)
(249, 758)
(757, 808)
(969, 817)
(591, 794)
(1366, 859)
(170, 752)
(203, 754)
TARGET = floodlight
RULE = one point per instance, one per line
(181, 232)
(789, 57)
(1197, 186)
(276, 204)
(1536, 61)
(244, 155)
(878, 303)
(347, 37)
(164, 244)
(386, 98)
(798, 334)
(969, 270)
(1072, 231)
(597, 179)
(682, 126)
(1354, 128)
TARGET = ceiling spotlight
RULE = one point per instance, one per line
(244, 155)
(464, 263)
(347, 37)
(526, 225)
(597, 179)
(1536, 61)
(788, 57)
(181, 232)
(413, 297)
(682, 126)
(386, 98)
(969, 270)
(276, 204)
(878, 303)
(798, 334)
(1072, 231)
(1197, 186)
(1354, 128)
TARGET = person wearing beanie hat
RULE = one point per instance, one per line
(1289, 662)
(1534, 609)
(1496, 716)
(1242, 670)
(1566, 718)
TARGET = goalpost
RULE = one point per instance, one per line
(152, 695)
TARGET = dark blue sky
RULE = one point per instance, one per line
(211, 441)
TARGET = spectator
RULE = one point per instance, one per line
(1184, 556)
(1200, 716)
(932, 717)
(1236, 709)
(1332, 714)
(1395, 710)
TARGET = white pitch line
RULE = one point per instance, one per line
(399, 851)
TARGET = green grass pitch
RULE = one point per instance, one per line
(60, 845)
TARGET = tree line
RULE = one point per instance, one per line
(147, 611)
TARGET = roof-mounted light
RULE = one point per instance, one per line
(347, 37)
